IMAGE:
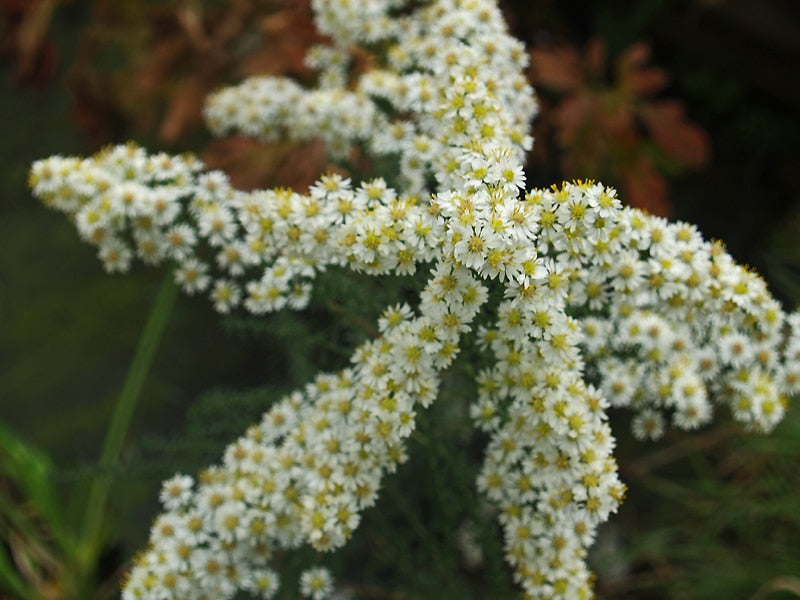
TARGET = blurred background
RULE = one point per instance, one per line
(691, 108)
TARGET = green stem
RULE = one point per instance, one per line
(92, 531)
(10, 581)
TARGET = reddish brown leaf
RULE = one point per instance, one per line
(595, 58)
(247, 162)
(41, 71)
(635, 76)
(571, 116)
(94, 108)
(283, 57)
(160, 63)
(556, 68)
(35, 55)
(288, 35)
(185, 110)
(302, 165)
(647, 81)
(251, 164)
(616, 116)
(192, 26)
(236, 18)
(675, 135)
(278, 23)
(633, 57)
(644, 188)
(10, 7)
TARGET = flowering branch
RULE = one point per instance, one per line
(603, 305)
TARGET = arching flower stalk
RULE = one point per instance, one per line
(603, 305)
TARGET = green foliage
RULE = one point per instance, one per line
(27, 500)
(53, 555)
(708, 516)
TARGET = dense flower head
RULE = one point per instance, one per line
(601, 305)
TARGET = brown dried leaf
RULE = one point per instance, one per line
(94, 107)
(160, 63)
(572, 115)
(634, 75)
(615, 116)
(303, 164)
(10, 7)
(595, 57)
(679, 138)
(192, 26)
(248, 163)
(647, 81)
(633, 57)
(236, 18)
(645, 188)
(556, 69)
(185, 110)
(277, 24)
(35, 54)
(288, 35)
(284, 57)
(251, 164)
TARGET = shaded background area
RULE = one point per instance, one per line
(712, 515)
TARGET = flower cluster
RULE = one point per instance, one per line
(602, 305)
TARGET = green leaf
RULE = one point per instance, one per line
(31, 469)
(10, 581)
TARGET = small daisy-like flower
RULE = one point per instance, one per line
(736, 349)
(180, 240)
(316, 583)
(263, 583)
(116, 256)
(176, 491)
(394, 316)
(648, 424)
(192, 276)
(226, 295)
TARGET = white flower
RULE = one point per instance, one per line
(648, 425)
(226, 295)
(316, 583)
(116, 256)
(176, 491)
(263, 583)
(192, 276)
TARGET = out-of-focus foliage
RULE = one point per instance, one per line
(144, 68)
(24, 37)
(714, 517)
(152, 64)
(40, 556)
(618, 130)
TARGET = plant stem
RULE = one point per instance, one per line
(92, 531)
